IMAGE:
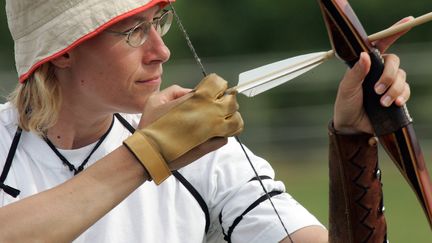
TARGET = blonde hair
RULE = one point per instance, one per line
(38, 100)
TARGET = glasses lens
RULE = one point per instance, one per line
(164, 23)
(139, 34)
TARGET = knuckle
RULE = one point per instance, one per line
(234, 124)
(239, 124)
(402, 74)
(387, 80)
(407, 89)
(395, 90)
(390, 57)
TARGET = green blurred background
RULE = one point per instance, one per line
(287, 125)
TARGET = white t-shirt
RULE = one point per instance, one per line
(168, 212)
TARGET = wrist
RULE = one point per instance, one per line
(148, 156)
(145, 175)
(345, 130)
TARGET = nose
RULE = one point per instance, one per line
(155, 49)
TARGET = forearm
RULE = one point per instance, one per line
(62, 213)
(355, 195)
(310, 234)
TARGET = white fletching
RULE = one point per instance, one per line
(263, 78)
(266, 77)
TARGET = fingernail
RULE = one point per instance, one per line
(401, 100)
(361, 62)
(358, 65)
(380, 88)
(386, 101)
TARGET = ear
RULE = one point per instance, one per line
(62, 61)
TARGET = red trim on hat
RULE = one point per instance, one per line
(100, 29)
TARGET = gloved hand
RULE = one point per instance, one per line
(206, 113)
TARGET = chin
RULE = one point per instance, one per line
(129, 108)
(132, 104)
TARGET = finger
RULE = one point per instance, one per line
(228, 104)
(395, 90)
(385, 43)
(354, 77)
(233, 125)
(168, 103)
(174, 92)
(403, 98)
(212, 85)
(157, 107)
(389, 74)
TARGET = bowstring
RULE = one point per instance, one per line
(188, 41)
(198, 61)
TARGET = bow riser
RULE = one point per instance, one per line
(392, 125)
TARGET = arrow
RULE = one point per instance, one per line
(266, 77)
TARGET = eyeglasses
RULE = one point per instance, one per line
(137, 35)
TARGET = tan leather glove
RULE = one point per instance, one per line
(207, 113)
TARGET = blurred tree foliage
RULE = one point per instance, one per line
(226, 27)
(223, 27)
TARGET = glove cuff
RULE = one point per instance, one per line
(140, 146)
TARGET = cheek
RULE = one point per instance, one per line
(106, 75)
(96, 61)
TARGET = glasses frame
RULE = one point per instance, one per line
(155, 23)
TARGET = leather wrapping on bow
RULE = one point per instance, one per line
(393, 125)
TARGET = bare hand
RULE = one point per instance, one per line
(161, 102)
(349, 114)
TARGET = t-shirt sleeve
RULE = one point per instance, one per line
(237, 202)
(8, 127)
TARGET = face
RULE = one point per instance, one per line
(106, 74)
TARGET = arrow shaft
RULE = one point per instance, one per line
(401, 27)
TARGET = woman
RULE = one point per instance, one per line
(90, 73)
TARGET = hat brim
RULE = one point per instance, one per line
(71, 28)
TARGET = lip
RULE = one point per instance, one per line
(154, 80)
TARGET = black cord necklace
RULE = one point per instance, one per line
(81, 167)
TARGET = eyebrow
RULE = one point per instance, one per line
(138, 19)
(134, 20)
(157, 14)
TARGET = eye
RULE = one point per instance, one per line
(137, 36)
(164, 23)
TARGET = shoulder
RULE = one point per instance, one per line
(8, 115)
(8, 123)
(235, 196)
(226, 169)
(8, 127)
(232, 162)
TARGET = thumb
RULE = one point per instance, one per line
(354, 77)
(173, 92)
(160, 103)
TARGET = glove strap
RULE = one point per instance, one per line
(356, 198)
(139, 145)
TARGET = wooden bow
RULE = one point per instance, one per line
(393, 126)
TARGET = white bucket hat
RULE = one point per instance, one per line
(45, 29)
